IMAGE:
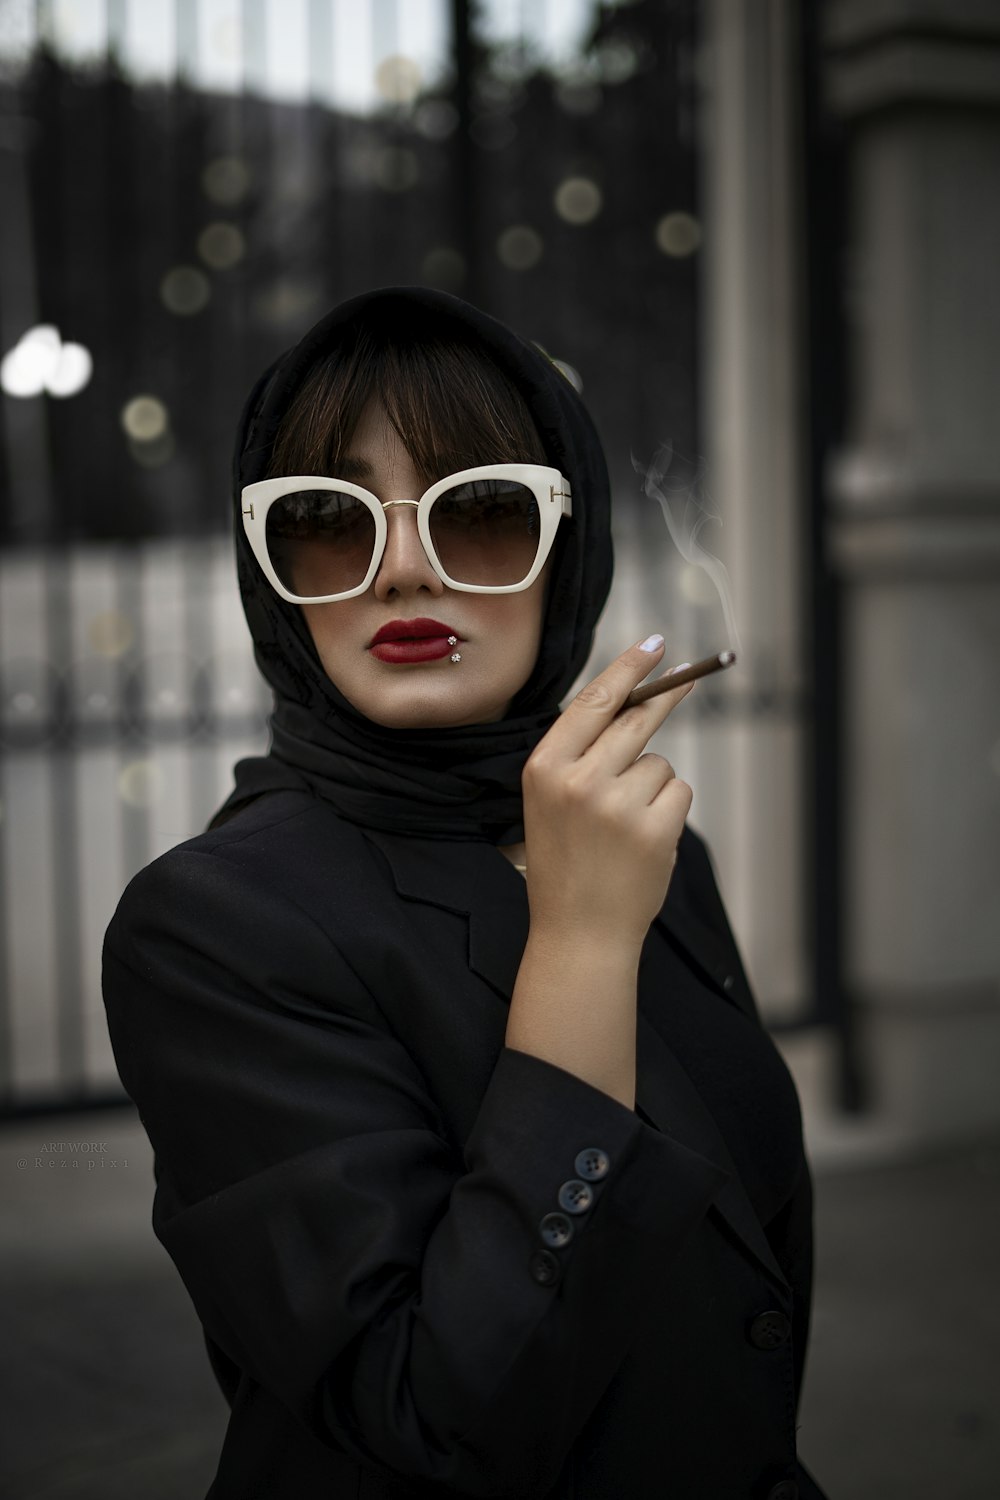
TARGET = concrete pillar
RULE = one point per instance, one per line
(913, 504)
(754, 404)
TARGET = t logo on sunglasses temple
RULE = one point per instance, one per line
(484, 530)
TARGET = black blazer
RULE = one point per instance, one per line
(354, 1177)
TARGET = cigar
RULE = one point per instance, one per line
(678, 677)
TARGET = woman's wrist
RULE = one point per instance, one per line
(574, 1005)
(584, 945)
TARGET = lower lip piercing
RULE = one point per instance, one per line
(453, 641)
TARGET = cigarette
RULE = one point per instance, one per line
(678, 677)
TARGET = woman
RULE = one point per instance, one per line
(478, 1167)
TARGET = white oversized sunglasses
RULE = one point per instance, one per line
(485, 531)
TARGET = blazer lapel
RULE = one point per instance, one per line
(471, 878)
(474, 879)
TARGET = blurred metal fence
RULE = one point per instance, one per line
(184, 190)
(127, 690)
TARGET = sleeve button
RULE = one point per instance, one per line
(576, 1196)
(556, 1230)
(592, 1164)
(544, 1267)
(769, 1330)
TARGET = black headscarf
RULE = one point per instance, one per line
(458, 783)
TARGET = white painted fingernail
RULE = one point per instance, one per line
(651, 643)
(679, 668)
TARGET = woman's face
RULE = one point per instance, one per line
(498, 634)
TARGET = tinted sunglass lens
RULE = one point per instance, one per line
(486, 531)
(320, 542)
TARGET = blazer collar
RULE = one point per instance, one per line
(477, 881)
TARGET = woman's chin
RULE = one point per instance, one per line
(406, 711)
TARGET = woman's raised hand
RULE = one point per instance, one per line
(602, 820)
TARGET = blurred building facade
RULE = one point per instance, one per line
(912, 511)
(852, 356)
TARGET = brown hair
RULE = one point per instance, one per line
(451, 405)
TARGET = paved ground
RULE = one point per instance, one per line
(106, 1394)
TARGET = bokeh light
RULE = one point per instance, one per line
(72, 371)
(617, 59)
(221, 246)
(520, 247)
(185, 291)
(145, 419)
(40, 362)
(226, 180)
(140, 783)
(25, 368)
(398, 79)
(110, 633)
(146, 422)
(436, 119)
(678, 234)
(578, 200)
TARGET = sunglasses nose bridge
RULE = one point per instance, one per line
(404, 562)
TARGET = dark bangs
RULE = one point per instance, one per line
(452, 407)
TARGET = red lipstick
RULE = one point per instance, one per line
(413, 640)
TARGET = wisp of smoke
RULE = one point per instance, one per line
(686, 518)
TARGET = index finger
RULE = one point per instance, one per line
(587, 715)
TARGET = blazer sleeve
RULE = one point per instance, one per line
(392, 1291)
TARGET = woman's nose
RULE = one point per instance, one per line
(405, 566)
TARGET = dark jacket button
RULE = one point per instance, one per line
(592, 1164)
(556, 1230)
(769, 1330)
(787, 1489)
(575, 1196)
(544, 1267)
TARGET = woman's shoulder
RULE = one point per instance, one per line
(275, 820)
(235, 921)
(260, 866)
(270, 832)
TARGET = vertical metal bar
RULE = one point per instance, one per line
(465, 200)
(120, 252)
(65, 852)
(320, 32)
(6, 1029)
(16, 300)
(823, 779)
(47, 197)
